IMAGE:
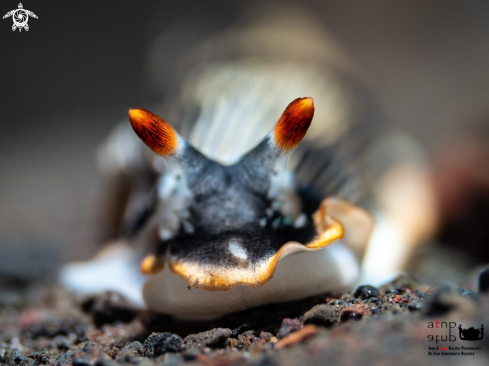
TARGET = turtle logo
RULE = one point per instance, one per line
(20, 17)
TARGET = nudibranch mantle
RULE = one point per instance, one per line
(296, 277)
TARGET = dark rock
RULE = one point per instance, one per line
(366, 292)
(248, 338)
(322, 315)
(158, 344)
(213, 338)
(266, 336)
(108, 308)
(112, 352)
(42, 357)
(136, 348)
(49, 328)
(64, 359)
(91, 348)
(288, 326)
(241, 329)
(57, 328)
(484, 281)
(18, 359)
(62, 343)
(91, 354)
(373, 300)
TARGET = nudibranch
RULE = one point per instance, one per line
(233, 236)
(238, 225)
(221, 216)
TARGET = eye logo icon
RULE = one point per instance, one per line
(20, 17)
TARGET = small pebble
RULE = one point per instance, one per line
(241, 329)
(134, 347)
(322, 315)
(213, 338)
(266, 336)
(365, 292)
(160, 343)
(288, 326)
(373, 300)
(20, 360)
(64, 359)
(62, 343)
(42, 357)
(248, 338)
(108, 308)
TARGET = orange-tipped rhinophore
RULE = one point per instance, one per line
(158, 135)
(294, 123)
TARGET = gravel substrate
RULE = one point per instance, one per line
(42, 323)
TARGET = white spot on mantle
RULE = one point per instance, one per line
(237, 249)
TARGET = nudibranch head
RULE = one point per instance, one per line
(236, 221)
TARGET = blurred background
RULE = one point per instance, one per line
(68, 80)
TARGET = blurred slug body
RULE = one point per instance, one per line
(269, 189)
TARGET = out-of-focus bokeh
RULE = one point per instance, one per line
(68, 80)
